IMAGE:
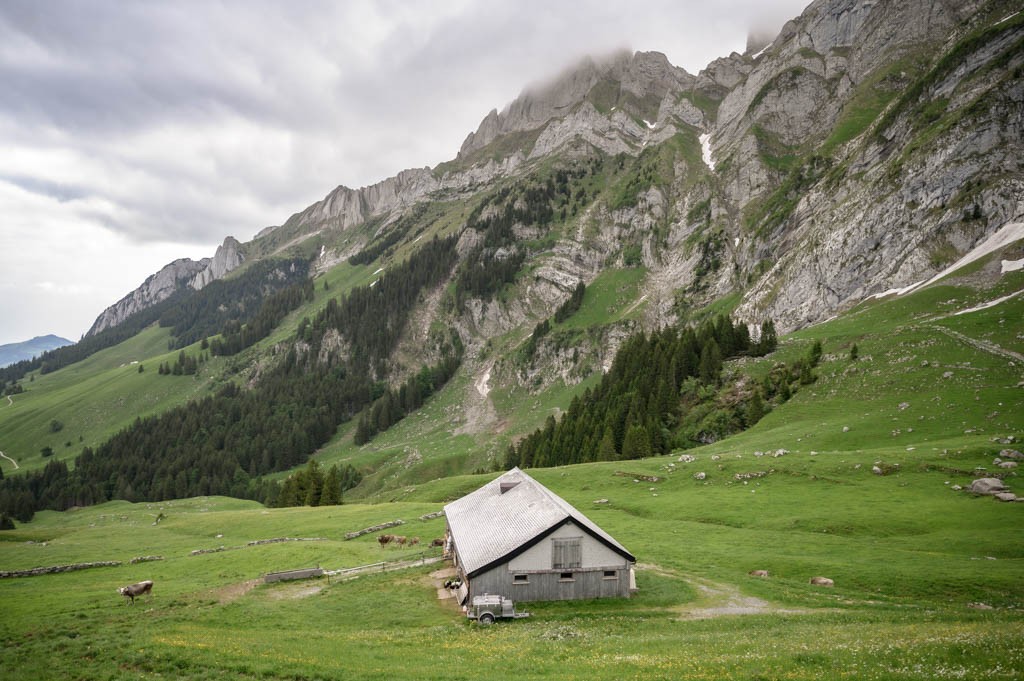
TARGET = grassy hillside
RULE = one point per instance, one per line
(927, 577)
(909, 557)
(94, 398)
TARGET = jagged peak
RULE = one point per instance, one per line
(641, 74)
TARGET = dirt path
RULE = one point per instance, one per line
(10, 459)
(984, 346)
(10, 403)
(716, 599)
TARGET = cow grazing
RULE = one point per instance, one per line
(758, 573)
(414, 541)
(400, 540)
(385, 539)
(822, 581)
(132, 590)
(437, 542)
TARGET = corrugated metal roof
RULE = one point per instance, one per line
(487, 525)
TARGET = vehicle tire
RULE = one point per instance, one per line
(486, 618)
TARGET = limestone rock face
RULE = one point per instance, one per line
(156, 288)
(633, 83)
(173, 277)
(224, 260)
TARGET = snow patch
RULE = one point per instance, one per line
(761, 51)
(735, 242)
(1011, 266)
(323, 249)
(649, 124)
(379, 270)
(896, 291)
(705, 150)
(374, 283)
(1007, 18)
(991, 303)
(1004, 236)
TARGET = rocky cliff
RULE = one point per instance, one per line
(859, 150)
(173, 277)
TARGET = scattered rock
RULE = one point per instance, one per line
(715, 457)
(1006, 496)
(687, 458)
(822, 581)
(947, 374)
(846, 429)
(600, 501)
(779, 452)
(987, 486)
(903, 405)
(1007, 464)
(956, 488)
(980, 606)
(1011, 454)
(882, 468)
(638, 477)
(759, 573)
(699, 476)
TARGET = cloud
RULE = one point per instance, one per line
(135, 126)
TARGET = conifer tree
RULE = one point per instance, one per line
(331, 494)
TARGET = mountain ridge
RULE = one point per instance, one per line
(10, 353)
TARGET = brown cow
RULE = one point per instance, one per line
(400, 540)
(132, 590)
(437, 542)
(385, 539)
(414, 541)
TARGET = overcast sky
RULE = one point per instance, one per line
(135, 133)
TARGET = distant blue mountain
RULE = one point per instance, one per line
(15, 352)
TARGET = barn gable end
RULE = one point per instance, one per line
(516, 538)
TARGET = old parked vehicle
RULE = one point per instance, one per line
(487, 608)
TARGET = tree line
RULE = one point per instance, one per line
(312, 487)
(647, 399)
(238, 300)
(224, 443)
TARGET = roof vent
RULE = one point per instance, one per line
(506, 486)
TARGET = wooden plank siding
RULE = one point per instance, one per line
(548, 585)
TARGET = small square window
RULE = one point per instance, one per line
(611, 574)
(520, 579)
(566, 577)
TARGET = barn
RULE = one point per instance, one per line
(516, 538)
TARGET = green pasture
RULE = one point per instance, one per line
(912, 560)
(95, 398)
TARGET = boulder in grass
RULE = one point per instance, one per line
(822, 581)
(1006, 496)
(1010, 454)
(987, 486)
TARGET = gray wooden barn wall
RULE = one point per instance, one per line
(548, 585)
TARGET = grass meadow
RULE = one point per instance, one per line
(913, 561)
(929, 580)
